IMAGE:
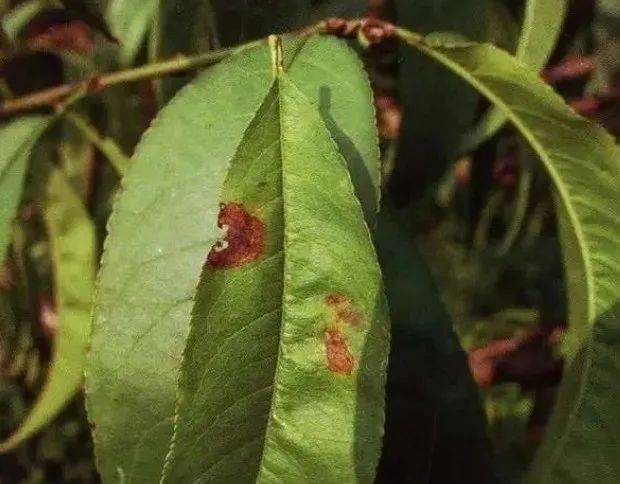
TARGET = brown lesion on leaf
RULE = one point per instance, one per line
(243, 240)
(343, 317)
(343, 309)
(339, 358)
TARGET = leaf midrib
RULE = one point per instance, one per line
(277, 86)
(559, 184)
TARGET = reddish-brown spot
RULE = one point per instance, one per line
(74, 36)
(243, 241)
(339, 359)
(343, 310)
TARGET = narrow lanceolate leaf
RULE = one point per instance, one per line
(161, 229)
(17, 138)
(165, 223)
(72, 247)
(542, 24)
(583, 164)
(130, 21)
(283, 373)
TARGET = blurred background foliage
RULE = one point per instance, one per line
(479, 221)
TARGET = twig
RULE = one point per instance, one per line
(54, 95)
(369, 31)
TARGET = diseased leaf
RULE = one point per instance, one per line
(283, 371)
(582, 162)
(72, 242)
(164, 224)
(17, 139)
(542, 24)
(435, 427)
(161, 229)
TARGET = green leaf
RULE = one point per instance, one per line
(435, 427)
(283, 371)
(163, 226)
(159, 234)
(542, 24)
(332, 77)
(72, 242)
(583, 164)
(130, 22)
(17, 139)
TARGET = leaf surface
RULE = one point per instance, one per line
(332, 77)
(130, 22)
(162, 228)
(283, 372)
(72, 243)
(17, 138)
(582, 162)
(160, 232)
(542, 24)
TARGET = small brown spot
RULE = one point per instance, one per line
(339, 359)
(243, 241)
(344, 312)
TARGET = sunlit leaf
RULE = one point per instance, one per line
(164, 225)
(72, 242)
(583, 164)
(288, 341)
(159, 234)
